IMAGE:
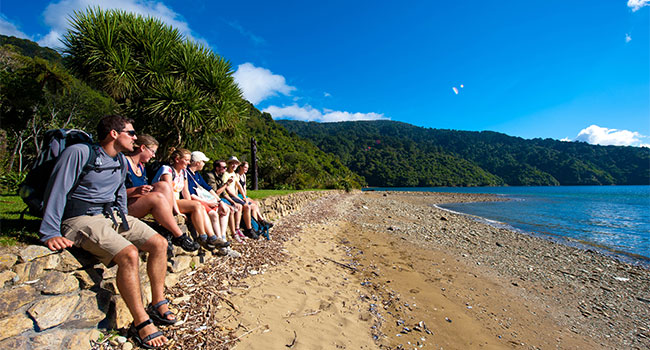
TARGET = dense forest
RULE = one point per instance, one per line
(200, 110)
(388, 153)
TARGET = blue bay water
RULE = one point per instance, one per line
(614, 217)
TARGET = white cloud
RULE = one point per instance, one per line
(57, 15)
(628, 38)
(308, 113)
(327, 94)
(597, 135)
(9, 29)
(259, 84)
(635, 5)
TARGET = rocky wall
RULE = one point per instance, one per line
(58, 300)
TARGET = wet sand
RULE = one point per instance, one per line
(379, 270)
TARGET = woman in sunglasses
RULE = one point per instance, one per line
(156, 199)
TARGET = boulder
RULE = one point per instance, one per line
(68, 262)
(88, 277)
(13, 299)
(50, 262)
(181, 263)
(16, 342)
(121, 318)
(30, 271)
(56, 282)
(7, 261)
(50, 312)
(91, 310)
(5, 276)
(14, 325)
(80, 339)
(34, 251)
(49, 340)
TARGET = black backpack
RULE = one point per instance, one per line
(32, 190)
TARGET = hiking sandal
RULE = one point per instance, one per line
(142, 342)
(161, 319)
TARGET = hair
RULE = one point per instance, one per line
(109, 123)
(146, 140)
(216, 163)
(175, 153)
(242, 164)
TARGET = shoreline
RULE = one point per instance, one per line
(373, 270)
(622, 256)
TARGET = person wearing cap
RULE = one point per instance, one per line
(217, 210)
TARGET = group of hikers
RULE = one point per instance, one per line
(96, 207)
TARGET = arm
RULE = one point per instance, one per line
(64, 175)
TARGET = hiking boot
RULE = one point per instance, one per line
(205, 243)
(251, 233)
(228, 252)
(218, 242)
(266, 223)
(186, 243)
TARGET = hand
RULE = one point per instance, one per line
(229, 180)
(144, 189)
(58, 243)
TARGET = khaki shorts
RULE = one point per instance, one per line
(98, 235)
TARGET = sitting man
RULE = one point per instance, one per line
(92, 215)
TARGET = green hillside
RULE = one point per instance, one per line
(388, 153)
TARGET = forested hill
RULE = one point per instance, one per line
(388, 153)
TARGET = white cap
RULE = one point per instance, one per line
(198, 156)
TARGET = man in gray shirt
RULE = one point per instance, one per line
(94, 218)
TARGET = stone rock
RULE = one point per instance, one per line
(7, 261)
(122, 317)
(34, 251)
(127, 346)
(107, 272)
(51, 261)
(171, 279)
(196, 261)
(50, 312)
(14, 325)
(179, 251)
(5, 276)
(145, 289)
(79, 340)
(68, 262)
(20, 342)
(83, 257)
(91, 310)
(181, 263)
(88, 277)
(30, 271)
(13, 299)
(49, 340)
(56, 282)
(110, 285)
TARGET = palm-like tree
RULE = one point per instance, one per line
(175, 89)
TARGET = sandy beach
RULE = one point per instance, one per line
(389, 270)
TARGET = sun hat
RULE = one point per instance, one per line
(198, 156)
(233, 159)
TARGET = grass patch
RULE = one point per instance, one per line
(12, 229)
(261, 194)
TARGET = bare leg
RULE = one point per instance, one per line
(156, 246)
(214, 222)
(198, 215)
(128, 283)
(157, 204)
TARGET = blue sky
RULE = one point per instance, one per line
(550, 69)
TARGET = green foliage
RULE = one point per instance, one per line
(29, 48)
(174, 89)
(390, 153)
(14, 229)
(9, 181)
(285, 161)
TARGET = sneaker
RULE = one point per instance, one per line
(206, 244)
(186, 243)
(227, 251)
(250, 233)
(267, 223)
(218, 242)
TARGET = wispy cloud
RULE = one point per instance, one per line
(597, 135)
(308, 113)
(259, 83)
(10, 29)
(628, 38)
(57, 16)
(635, 5)
(257, 40)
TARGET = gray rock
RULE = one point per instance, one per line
(50, 312)
(5, 276)
(49, 340)
(34, 251)
(14, 325)
(80, 339)
(56, 282)
(181, 263)
(13, 299)
(88, 277)
(7, 261)
(68, 262)
(16, 342)
(110, 285)
(91, 310)
(30, 271)
(50, 262)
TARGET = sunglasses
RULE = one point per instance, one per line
(130, 132)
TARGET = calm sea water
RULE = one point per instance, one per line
(616, 218)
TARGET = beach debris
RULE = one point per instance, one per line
(448, 319)
(622, 279)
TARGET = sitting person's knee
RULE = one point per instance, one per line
(127, 256)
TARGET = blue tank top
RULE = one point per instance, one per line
(134, 180)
